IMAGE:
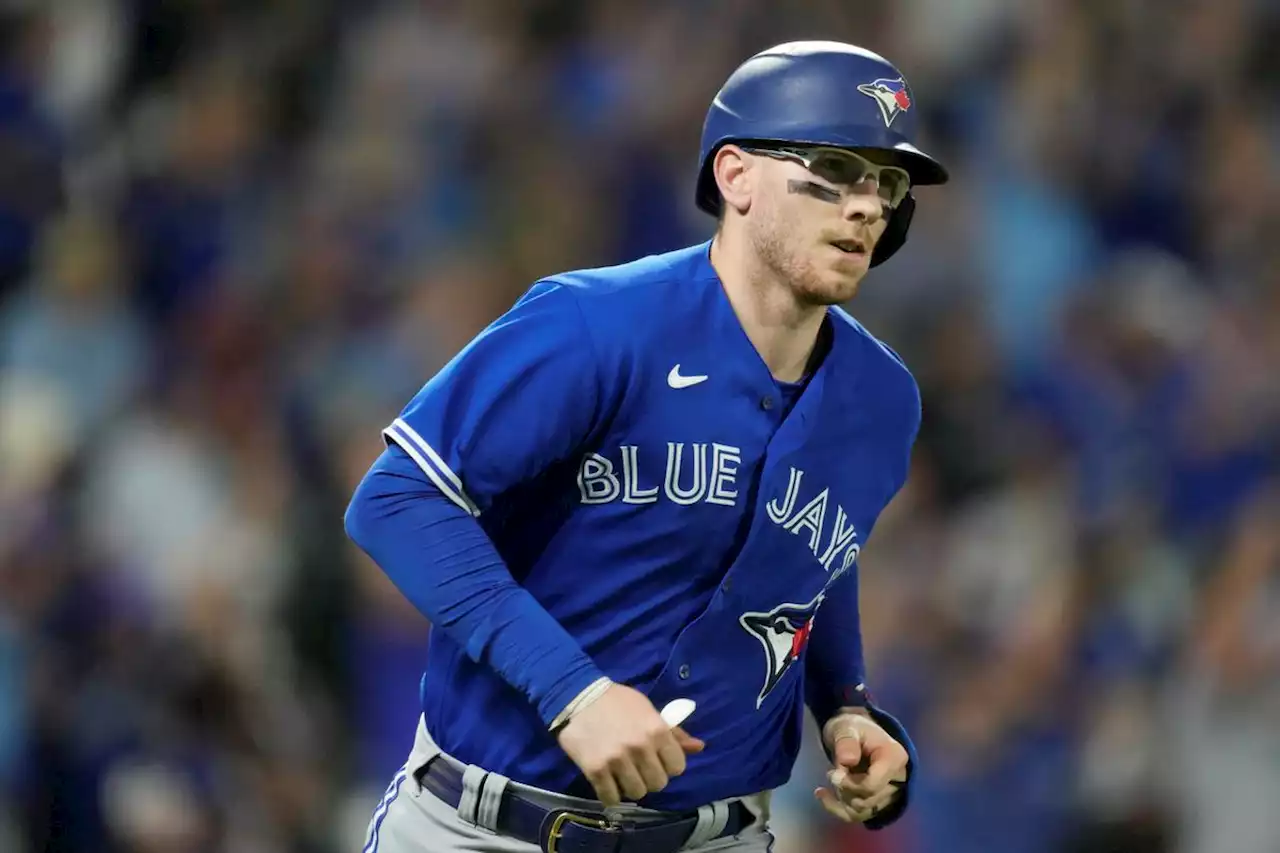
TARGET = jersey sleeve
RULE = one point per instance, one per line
(834, 669)
(835, 675)
(521, 396)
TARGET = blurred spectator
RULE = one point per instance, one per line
(31, 145)
(71, 327)
(1227, 706)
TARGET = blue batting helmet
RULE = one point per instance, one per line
(820, 93)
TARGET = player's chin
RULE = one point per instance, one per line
(833, 286)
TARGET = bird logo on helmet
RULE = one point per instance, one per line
(820, 93)
(891, 95)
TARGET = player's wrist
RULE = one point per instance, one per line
(581, 702)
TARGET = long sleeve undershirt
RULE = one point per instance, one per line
(443, 562)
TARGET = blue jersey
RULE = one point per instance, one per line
(631, 457)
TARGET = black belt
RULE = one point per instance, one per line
(565, 831)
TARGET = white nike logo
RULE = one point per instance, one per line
(675, 380)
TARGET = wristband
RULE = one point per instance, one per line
(591, 693)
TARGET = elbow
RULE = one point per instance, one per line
(358, 518)
(352, 521)
(388, 482)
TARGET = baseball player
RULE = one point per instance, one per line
(644, 489)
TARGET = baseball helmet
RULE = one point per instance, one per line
(820, 93)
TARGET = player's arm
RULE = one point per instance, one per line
(856, 733)
(525, 394)
(442, 561)
(870, 750)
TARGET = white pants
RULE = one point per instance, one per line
(410, 819)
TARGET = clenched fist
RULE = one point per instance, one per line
(868, 767)
(624, 748)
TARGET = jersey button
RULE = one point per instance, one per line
(766, 403)
(684, 671)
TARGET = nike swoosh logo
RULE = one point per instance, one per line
(675, 380)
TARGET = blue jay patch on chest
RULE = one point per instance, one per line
(783, 632)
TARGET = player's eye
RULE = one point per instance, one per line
(893, 186)
(838, 168)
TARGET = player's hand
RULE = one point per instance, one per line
(868, 769)
(623, 746)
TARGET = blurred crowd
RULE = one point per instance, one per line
(237, 235)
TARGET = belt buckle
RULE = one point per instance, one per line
(561, 818)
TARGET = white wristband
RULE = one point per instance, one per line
(591, 693)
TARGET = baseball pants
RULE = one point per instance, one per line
(410, 819)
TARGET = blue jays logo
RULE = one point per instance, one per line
(784, 633)
(890, 95)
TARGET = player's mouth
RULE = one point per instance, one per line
(850, 247)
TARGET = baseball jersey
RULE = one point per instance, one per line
(629, 454)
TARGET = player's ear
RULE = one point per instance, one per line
(734, 177)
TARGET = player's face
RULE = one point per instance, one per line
(817, 214)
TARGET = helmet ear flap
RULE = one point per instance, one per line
(895, 233)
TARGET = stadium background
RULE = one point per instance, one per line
(236, 235)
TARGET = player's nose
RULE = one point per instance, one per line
(865, 207)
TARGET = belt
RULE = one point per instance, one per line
(566, 831)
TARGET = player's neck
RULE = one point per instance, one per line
(783, 330)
